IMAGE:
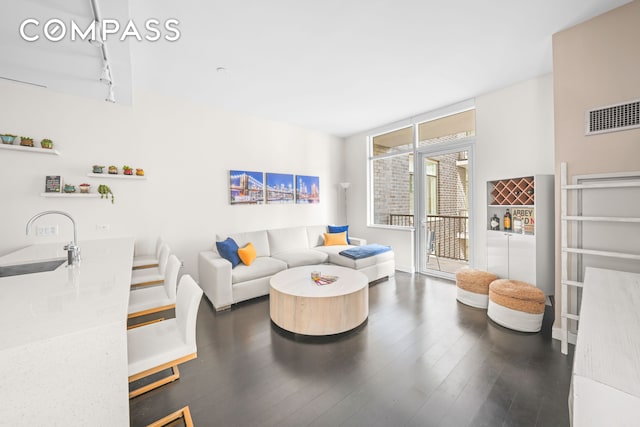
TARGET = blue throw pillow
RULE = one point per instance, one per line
(340, 229)
(228, 250)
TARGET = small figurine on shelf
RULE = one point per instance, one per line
(113, 170)
(127, 170)
(46, 143)
(105, 191)
(84, 187)
(97, 168)
(140, 172)
(68, 188)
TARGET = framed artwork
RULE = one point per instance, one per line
(307, 189)
(246, 187)
(53, 184)
(279, 188)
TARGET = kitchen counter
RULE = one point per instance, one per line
(63, 341)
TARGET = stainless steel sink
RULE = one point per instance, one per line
(34, 267)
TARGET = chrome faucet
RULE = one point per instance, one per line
(73, 250)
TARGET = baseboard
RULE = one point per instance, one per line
(409, 270)
(556, 334)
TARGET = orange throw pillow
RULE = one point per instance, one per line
(333, 239)
(247, 254)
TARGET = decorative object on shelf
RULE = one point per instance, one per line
(139, 172)
(495, 222)
(113, 170)
(97, 168)
(526, 216)
(127, 170)
(46, 143)
(105, 191)
(7, 138)
(53, 184)
(26, 141)
(518, 226)
(507, 220)
(68, 188)
(84, 187)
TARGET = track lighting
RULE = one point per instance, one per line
(105, 77)
(111, 96)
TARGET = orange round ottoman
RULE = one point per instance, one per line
(473, 287)
(516, 305)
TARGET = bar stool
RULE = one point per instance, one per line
(148, 260)
(155, 299)
(152, 276)
(164, 345)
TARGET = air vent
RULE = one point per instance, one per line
(613, 118)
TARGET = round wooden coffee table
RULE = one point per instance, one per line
(299, 305)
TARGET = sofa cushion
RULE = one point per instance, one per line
(258, 238)
(302, 257)
(260, 267)
(247, 254)
(337, 259)
(339, 229)
(315, 233)
(228, 249)
(287, 239)
(335, 239)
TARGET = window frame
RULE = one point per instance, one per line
(415, 149)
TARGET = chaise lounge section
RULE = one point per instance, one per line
(277, 250)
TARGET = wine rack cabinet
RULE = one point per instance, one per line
(516, 191)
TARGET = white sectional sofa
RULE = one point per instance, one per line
(277, 250)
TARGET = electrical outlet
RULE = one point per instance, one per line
(47, 230)
(103, 227)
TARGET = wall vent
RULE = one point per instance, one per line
(613, 118)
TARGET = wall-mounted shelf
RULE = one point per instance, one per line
(29, 149)
(71, 195)
(118, 176)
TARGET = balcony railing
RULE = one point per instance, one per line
(451, 233)
(401, 220)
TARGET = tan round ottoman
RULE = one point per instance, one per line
(516, 305)
(473, 287)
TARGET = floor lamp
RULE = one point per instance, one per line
(344, 186)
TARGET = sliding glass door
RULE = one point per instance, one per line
(443, 239)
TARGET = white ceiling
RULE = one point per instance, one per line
(337, 66)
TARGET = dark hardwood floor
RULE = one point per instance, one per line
(422, 359)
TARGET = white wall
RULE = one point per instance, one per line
(514, 128)
(186, 150)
